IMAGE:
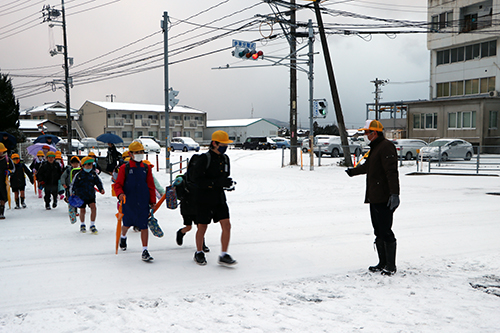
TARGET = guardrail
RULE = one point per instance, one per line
(480, 162)
(182, 165)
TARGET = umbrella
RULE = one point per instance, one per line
(43, 139)
(10, 138)
(33, 149)
(109, 138)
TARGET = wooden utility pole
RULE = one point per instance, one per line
(293, 86)
(333, 87)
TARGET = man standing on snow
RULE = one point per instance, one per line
(210, 178)
(382, 193)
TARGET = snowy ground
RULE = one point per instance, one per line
(303, 241)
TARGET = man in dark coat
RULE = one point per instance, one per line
(382, 193)
(112, 158)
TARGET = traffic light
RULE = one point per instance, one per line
(320, 108)
(172, 101)
(246, 53)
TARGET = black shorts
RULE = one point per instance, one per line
(207, 213)
(87, 202)
(189, 219)
(15, 189)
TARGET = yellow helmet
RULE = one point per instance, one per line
(221, 136)
(58, 154)
(51, 153)
(87, 159)
(372, 125)
(135, 146)
(14, 156)
(92, 154)
(2, 148)
(125, 154)
(40, 154)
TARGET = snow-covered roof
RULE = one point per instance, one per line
(30, 124)
(116, 106)
(49, 107)
(235, 122)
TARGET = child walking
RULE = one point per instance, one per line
(83, 187)
(48, 176)
(35, 166)
(18, 181)
(6, 166)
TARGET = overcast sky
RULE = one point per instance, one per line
(110, 39)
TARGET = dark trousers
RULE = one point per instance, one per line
(50, 190)
(382, 222)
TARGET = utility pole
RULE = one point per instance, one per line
(66, 80)
(164, 26)
(111, 97)
(51, 14)
(311, 94)
(333, 87)
(293, 85)
(377, 91)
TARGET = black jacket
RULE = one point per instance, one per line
(17, 179)
(381, 169)
(205, 179)
(50, 173)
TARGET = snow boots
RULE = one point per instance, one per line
(2, 210)
(387, 257)
(22, 202)
(382, 261)
(17, 204)
(390, 254)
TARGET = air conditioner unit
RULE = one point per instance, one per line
(493, 93)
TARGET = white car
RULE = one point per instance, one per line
(448, 148)
(150, 145)
(331, 145)
(409, 148)
(90, 142)
(63, 143)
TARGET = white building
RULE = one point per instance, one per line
(129, 120)
(239, 129)
(464, 74)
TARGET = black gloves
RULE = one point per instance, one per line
(223, 182)
(393, 202)
(349, 172)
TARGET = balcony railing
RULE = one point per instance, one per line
(115, 122)
(190, 124)
(142, 122)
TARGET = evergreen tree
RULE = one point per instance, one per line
(9, 109)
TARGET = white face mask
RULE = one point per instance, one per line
(138, 157)
(366, 138)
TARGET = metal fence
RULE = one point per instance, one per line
(181, 166)
(480, 162)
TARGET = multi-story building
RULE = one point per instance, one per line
(464, 74)
(130, 121)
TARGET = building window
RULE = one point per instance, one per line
(176, 133)
(493, 124)
(126, 134)
(430, 120)
(187, 133)
(138, 134)
(198, 135)
(456, 88)
(468, 52)
(443, 89)
(111, 132)
(153, 117)
(466, 119)
(416, 121)
(187, 117)
(138, 116)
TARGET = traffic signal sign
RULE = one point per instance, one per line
(246, 53)
(172, 101)
(320, 108)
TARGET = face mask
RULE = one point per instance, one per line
(87, 170)
(222, 149)
(138, 157)
(17, 161)
(366, 138)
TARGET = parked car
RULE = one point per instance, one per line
(258, 142)
(150, 145)
(364, 145)
(331, 145)
(409, 148)
(90, 142)
(150, 137)
(281, 142)
(184, 144)
(449, 148)
(75, 143)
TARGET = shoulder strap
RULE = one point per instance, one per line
(208, 159)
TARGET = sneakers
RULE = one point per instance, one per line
(226, 260)
(205, 248)
(199, 258)
(146, 256)
(123, 243)
(180, 236)
(93, 229)
(47, 206)
(54, 205)
(23, 204)
(17, 207)
(82, 227)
